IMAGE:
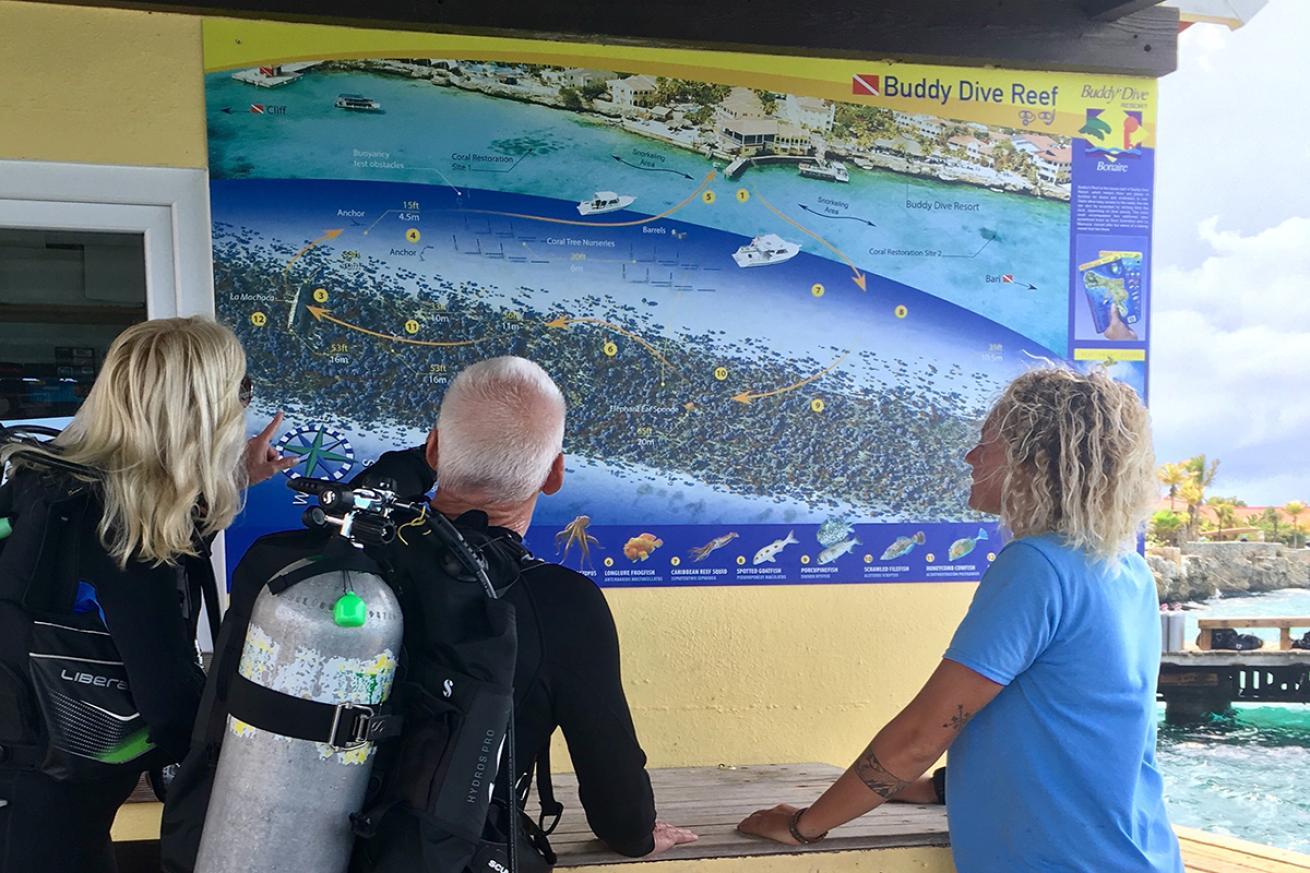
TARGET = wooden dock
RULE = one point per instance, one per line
(1205, 680)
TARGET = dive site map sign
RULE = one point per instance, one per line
(779, 294)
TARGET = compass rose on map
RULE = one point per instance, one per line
(326, 453)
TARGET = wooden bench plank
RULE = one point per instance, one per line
(1211, 623)
(711, 801)
(1205, 852)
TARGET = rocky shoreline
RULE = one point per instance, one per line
(1199, 571)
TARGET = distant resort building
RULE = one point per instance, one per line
(792, 139)
(748, 136)
(925, 125)
(1054, 160)
(632, 92)
(809, 112)
(577, 77)
(977, 150)
(741, 103)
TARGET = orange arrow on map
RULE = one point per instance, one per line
(745, 397)
(327, 235)
(321, 314)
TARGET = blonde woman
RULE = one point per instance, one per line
(123, 552)
(1046, 696)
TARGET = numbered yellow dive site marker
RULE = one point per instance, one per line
(258, 319)
(610, 348)
(901, 311)
(413, 235)
(320, 295)
(743, 195)
(816, 405)
(721, 373)
(411, 327)
(708, 197)
(817, 289)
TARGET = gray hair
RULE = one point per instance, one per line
(501, 427)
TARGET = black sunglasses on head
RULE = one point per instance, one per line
(247, 391)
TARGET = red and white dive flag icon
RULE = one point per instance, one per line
(867, 83)
(257, 108)
(1007, 278)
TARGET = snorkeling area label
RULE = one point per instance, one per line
(779, 294)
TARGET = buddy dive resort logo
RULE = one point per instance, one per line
(1113, 134)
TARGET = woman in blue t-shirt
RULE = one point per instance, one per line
(1046, 696)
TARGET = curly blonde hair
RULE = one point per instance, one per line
(165, 427)
(1078, 459)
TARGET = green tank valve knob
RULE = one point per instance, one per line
(350, 610)
(5, 528)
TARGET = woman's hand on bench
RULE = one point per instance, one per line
(667, 836)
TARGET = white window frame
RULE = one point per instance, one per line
(168, 206)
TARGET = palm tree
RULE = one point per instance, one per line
(1193, 496)
(1226, 514)
(1171, 476)
(1203, 474)
(1295, 508)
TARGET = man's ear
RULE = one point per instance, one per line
(555, 478)
(430, 449)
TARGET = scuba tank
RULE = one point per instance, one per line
(318, 662)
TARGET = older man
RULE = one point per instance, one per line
(496, 447)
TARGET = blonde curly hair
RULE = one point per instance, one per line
(1078, 459)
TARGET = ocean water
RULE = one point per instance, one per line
(1243, 774)
(946, 251)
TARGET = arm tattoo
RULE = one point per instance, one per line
(959, 719)
(873, 774)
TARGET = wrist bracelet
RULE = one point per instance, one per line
(939, 784)
(795, 827)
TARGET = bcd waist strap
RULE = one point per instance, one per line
(341, 726)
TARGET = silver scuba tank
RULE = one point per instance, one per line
(282, 804)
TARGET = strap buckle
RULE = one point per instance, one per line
(350, 731)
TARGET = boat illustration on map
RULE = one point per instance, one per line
(766, 250)
(828, 171)
(358, 103)
(605, 201)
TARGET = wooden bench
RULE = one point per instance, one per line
(1208, 626)
(711, 800)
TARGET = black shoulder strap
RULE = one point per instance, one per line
(208, 587)
(550, 807)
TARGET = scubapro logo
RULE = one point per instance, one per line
(92, 679)
(493, 864)
(447, 688)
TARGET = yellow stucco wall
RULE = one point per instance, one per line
(100, 86)
(715, 675)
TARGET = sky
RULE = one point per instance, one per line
(1230, 343)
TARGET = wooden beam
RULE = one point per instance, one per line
(1110, 10)
(1022, 34)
